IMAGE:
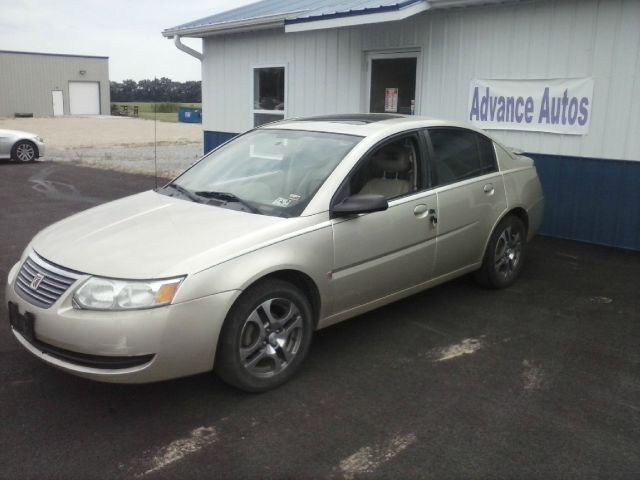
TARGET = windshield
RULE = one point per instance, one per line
(266, 171)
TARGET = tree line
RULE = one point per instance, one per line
(156, 90)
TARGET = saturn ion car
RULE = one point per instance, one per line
(20, 146)
(281, 231)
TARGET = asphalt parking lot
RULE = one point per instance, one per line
(541, 380)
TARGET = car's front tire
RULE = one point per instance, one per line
(265, 337)
(24, 151)
(505, 254)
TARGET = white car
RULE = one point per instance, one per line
(285, 229)
(20, 146)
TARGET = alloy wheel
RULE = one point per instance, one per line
(25, 152)
(271, 337)
(508, 252)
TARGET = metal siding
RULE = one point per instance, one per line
(545, 39)
(324, 74)
(591, 200)
(542, 39)
(28, 79)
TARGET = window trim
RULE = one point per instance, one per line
(253, 110)
(431, 155)
(391, 54)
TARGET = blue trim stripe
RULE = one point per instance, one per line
(352, 13)
(301, 10)
(213, 140)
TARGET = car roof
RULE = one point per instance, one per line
(364, 124)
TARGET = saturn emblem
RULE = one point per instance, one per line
(37, 280)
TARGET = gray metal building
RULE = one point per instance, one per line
(48, 84)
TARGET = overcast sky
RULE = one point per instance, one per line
(126, 31)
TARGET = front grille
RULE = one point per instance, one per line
(54, 281)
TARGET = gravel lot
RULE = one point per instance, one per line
(116, 143)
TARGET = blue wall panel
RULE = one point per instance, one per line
(214, 139)
(591, 200)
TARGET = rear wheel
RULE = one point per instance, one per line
(24, 151)
(265, 337)
(505, 253)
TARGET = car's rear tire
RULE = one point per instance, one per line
(505, 254)
(24, 151)
(265, 337)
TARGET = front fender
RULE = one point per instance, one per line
(310, 253)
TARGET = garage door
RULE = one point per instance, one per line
(84, 98)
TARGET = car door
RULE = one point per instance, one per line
(6, 143)
(471, 195)
(381, 253)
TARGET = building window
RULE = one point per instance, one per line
(268, 94)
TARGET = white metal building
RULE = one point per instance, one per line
(566, 71)
(48, 84)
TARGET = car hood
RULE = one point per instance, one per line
(150, 235)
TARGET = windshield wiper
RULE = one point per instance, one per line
(228, 197)
(187, 193)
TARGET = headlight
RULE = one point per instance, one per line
(107, 294)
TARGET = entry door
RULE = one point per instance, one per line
(58, 103)
(393, 83)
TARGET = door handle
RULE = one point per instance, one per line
(488, 189)
(423, 211)
(420, 210)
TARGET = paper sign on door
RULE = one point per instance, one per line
(390, 99)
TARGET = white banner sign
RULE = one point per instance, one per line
(555, 106)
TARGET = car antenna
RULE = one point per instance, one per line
(155, 142)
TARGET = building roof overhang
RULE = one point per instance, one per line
(301, 15)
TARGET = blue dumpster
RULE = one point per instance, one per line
(189, 115)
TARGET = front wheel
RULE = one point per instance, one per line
(24, 151)
(504, 257)
(265, 337)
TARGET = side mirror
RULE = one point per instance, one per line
(356, 204)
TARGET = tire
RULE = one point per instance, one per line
(505, 254)
(24, 151)
(265, 337)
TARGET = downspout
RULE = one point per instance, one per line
(184, 48)
(194, 53)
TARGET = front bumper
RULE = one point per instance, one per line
(166, 342)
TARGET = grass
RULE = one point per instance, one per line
(165, 111)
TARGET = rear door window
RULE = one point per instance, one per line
(459, 154)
